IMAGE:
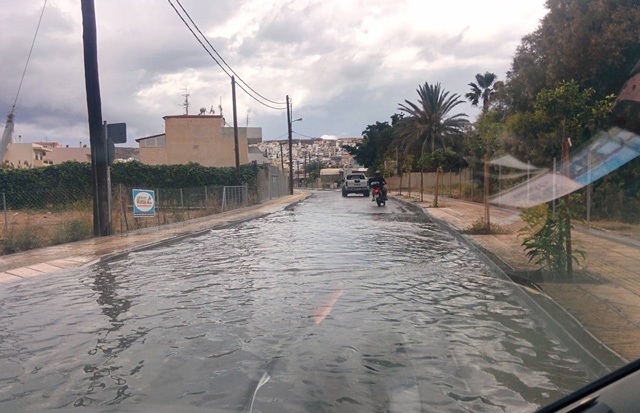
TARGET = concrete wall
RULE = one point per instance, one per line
(196, 138)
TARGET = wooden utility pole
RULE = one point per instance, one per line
(97, 131)
(290, 147)
(235, 128)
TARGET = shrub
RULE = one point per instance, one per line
(545, 237)
(71, 231)
(22, 239)
(479, 227)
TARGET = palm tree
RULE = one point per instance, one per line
(483, 90)
(429, 121)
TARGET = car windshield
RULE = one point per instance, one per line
(319, 206)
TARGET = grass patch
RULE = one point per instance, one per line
(479, 227)
(71, 231)
(23, 238)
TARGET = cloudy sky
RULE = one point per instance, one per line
(344, 63)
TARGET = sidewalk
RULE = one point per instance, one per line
(18, 266)
(606, 301)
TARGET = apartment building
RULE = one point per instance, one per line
(202, 139)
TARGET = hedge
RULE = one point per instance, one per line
(70, 182)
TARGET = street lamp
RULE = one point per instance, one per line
(289, 122)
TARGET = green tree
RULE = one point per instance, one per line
(429, 120)
(566, 111)
(545, 238)
(313, 168)
(484, 90)
(563, 115)
(376, 139)
(594, 42)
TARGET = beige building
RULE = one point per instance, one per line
(26, 155)
(58, 154)
(196, 138)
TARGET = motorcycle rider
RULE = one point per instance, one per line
(380, 181)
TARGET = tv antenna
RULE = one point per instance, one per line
(186, 101)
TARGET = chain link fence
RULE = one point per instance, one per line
(43, 217)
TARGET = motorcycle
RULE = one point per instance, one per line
(377, 194)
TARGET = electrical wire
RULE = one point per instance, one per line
(222, 59)
(33, 42)
(218, 63)
(308, 137)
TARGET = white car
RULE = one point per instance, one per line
(355, 183)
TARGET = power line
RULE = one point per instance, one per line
(33, 42)
(306, 136)
(220, 65)
(222, 59)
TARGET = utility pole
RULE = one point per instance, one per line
(304, 170)
(97, 133)
(235, 128)
(290, 147)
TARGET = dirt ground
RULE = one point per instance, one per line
(24, 230)
(631, 231)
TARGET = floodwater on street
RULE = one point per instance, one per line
(333, 305)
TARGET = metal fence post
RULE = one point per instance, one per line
(224, 198)
(158, 205)
(471, 184)
(6, 221)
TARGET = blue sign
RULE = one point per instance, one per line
(144, 203)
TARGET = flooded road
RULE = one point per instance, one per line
(334, 305)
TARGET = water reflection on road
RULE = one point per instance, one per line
(343, 305)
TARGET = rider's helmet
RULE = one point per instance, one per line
(378, 173)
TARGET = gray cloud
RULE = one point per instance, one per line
(346, 63)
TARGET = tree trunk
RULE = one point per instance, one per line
(435, 199)
(422, 184)
(487, 217)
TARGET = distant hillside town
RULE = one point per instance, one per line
(203, 139)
